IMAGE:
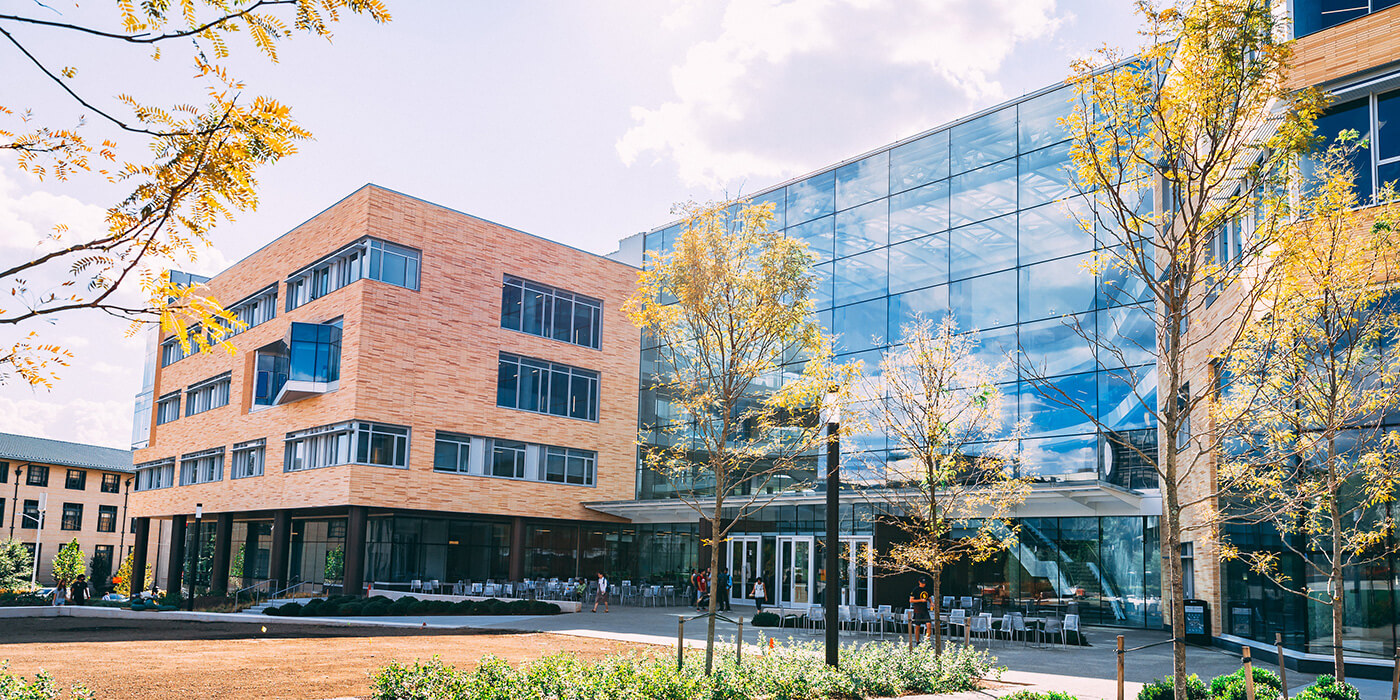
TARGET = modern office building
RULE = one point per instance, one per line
(417, 394)
(55, 492)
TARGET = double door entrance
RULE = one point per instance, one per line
(793, 572)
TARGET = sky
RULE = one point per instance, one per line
(582, 122)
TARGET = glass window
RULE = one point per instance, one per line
(861, 277)
(820, 235)
(246, 458)
(452, 453)
(210, 393)
(569, 466)
(997, 348)
(778, 198)
(382, 445)
(1046, 175)
(1055, 409)
(106, 518)
(1120, 286)
(1053, 231)
(1356, 116)
(1055, 347)
(1388, 125)
(982, 302)
(508, 459)
(984, 140)
(72, 516)
(548, 312)
(919, 212)
(1124, 397)
(323, 446)
(366, 258)
(547, 387)
(111, 483)
(1311, 16)
(918, 263)
(823, 276)
(862, 228)
(1056, 288)
(981, 248)
(983, 194)
(1128, 337)
(29, 520)
(171, 351)
(930, 303)
(1061, 458)
(1039, 119)
(202, 467)
(861, 326)
(863, 181)
(811, 198)
(159, 474)
(76, 480)
(37, 475)
(168, 408)
(919, 162)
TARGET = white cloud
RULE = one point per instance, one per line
(750, 101)
(106, 423)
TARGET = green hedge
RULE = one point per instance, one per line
(792, 671)
(380, 606)
(1267, 686)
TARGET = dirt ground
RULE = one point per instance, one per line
(188, 660)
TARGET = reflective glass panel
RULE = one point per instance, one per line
(863, 181)
(1046, 175)
(1053, 230)
(821, 287)
(811, 198)
(981, 248)
(778, 198)
(1124, 396)
(984, 302)
(983, 194)
(1069, 458)
(918, 263)
(820, 236)
(1056, 288)
(930, 303)
(1055, 409)
(986, 139)
(1388, 126)
(919, 212)
(1129, 337)
(1055, 346)
(861, 277)
(1040, 119)
(919, 162)
(861, 326)
(1355, 116)
(862, 228)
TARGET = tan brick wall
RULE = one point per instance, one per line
(52, 535)
(426, 359)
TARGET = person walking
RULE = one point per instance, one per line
(726, 584)
(79, 593)
(759, 594)
(602, 596)
(695, 586)
(60, 596)
(704, 601)
(919, 604)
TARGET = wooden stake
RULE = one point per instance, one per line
(1282, 671)
(1120, 667)
(739, 644)
(1248, 675)
(680, 644)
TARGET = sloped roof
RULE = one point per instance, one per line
(23, 448)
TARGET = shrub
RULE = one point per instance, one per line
(402, 605)
(765, 619)
(14, 687)
(289, 610)
(1267, 685)
(1032, 695)
(351, 609)
(313, 608)
(1326, 687)
(1163, 689)
(376, 608)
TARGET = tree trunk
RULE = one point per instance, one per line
(934, 603)
(1173, 596)
(715, 530)
(1334, 580)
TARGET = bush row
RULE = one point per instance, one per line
(1267, 686)
(792, 671)
(380, 606)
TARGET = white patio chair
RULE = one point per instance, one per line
(947, 602)
(508, 590)
(431, 586)
(886, 614)
(1018, 625)
(476, 588)
(815, 614)
(845, 617)
(868, 619)
(965, 602)
(415, 585)
(1071, 625)
(1053, 626)
(1005, 628)
(670, 595)
(956, 616)
(981, 625)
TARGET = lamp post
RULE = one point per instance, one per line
(833, 535)
(38, 535)
(193, 553)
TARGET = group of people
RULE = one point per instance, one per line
(75, 593)
(703, 582)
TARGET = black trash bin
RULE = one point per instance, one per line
(1197, 614)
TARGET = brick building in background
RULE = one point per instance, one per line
(55, 492)
(418, 394)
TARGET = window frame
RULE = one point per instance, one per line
(202, 467)
(361, 259)
(167, 408)
(72, 520)
(115, 480)
(543, 396)
(106, 518)
(39, 470)
(208, 394)
(358, 436)
(552, 297)
(75, 476)
(254, 452)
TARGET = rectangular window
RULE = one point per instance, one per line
(72, 516)
(159, 474)
(30, 518)
(547, 387)
(357, 442)
(76, 480)
(367, 258)
(565, 465)
(208, 394)
(171, 352)
(246, 458)
(168, 408)
(111, 483)
(38, 475)
(255, 310)
(106, 518)
(451, 453)
(508, 459)
(202, 467)
(103, 552)
(537, 309)
(4, 472)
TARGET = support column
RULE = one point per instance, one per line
(356, 529)
(175, 556)
(281, 543)
(223, 546)
(707, 533)
(517, 549)
(250, 555)
(142, 533)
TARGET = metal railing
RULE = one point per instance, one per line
(255, 592)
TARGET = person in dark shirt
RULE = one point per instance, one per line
(919, 604)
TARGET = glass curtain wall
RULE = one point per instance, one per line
(401, 549)
(251, 556)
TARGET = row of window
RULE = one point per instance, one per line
(1376, 120)
(537, 309)
(76, 479)
(540, 386)
(206, 395)
(72, 516)
(511, 459)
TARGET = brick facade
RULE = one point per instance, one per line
(16, 490)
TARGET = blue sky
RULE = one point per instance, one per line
(579, 121)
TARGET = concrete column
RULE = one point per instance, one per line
(223, 546)
(356, 529)
(281, 544)
(517, 549)
(142, 534)
(175, 555)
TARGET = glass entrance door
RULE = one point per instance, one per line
(857, 566)
(794, 571)
(745, 565)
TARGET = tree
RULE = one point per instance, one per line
(68, 564)
(196, 167)
(15, 564)
(740, 362)
(101, 568)
(121, 582)
(957, 467)
(1306, 391)
(1202, 116)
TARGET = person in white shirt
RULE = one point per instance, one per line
(760, 594)
(602, 596)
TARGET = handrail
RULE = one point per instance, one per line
(276, 594)
(257, 588)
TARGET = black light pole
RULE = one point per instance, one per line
(192, 551)
(833, 535)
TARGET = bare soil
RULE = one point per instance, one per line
(159, 659)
